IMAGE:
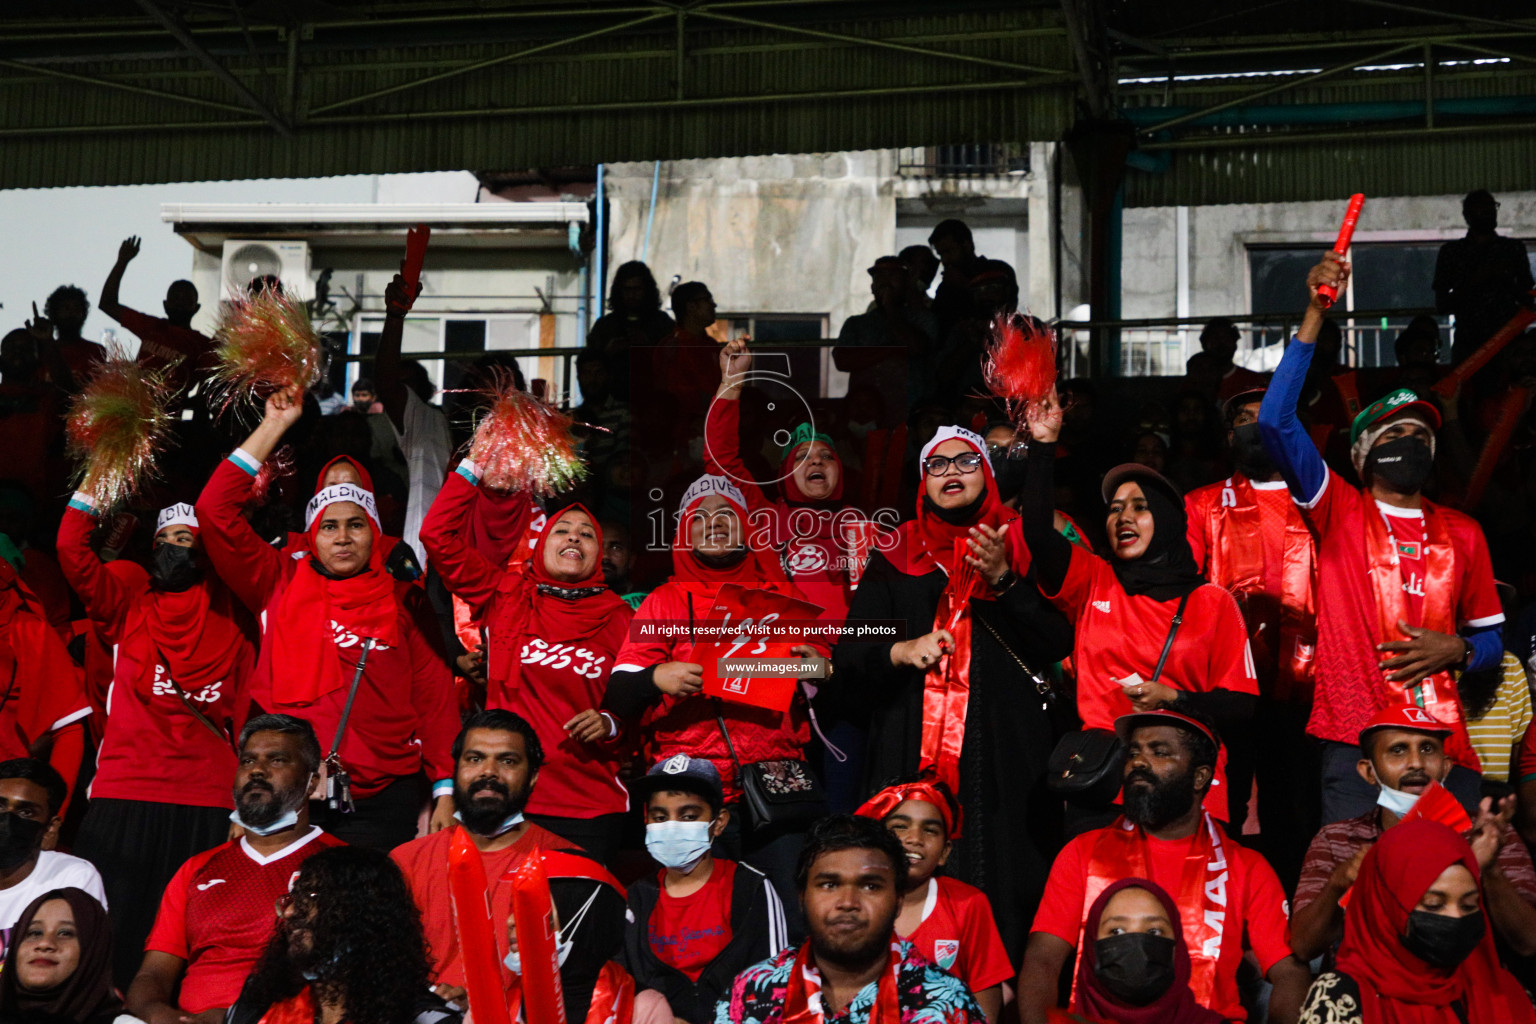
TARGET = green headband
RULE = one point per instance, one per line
(805, 433)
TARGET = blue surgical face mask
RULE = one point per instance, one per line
(287, 819)
(679, 845)
(507, 825)
(1396, 801)
(514, 959)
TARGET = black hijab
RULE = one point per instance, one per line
(1167, 570)
(86, 996)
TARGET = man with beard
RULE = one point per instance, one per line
(1401, 754)
(183, 656)
(1405, 592)
(1248, 538)
(31, 797)
(216, 914)
(618, 560)
(853, 968)
(497, 757)
(1233, 903)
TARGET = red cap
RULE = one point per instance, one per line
(1406, 716)
(1161, 716)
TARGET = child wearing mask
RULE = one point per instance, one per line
(702, 919)
(948, 921)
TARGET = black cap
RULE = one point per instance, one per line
(681, 772)
(1144, 475)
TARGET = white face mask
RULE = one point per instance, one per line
(507, 825)
(1396, 801)
(287, 819)
(679, 845)
(514, 959)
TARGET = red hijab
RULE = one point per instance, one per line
(928, 542)
(1397, 987)
(305, 646)
(1176, 1006)
(531, 604)
(199, 649)
(760, 569)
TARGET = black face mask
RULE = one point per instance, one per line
(20, 838)
(1010, 474)
(174, 568)
(1249, 454)
(1403, 464)
(1135, 967)
(1441, 941)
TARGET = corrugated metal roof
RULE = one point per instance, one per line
(745, 91)
(1336, 143)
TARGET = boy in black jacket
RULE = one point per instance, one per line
(702, 919)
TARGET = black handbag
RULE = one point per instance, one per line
(782, 795)
(1086, 766)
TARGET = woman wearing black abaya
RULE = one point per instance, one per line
(953, 692)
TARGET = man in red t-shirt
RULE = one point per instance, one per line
(1233, 903)
(948, 921)
(1405, 591)
(702, 919)
(1248, 538)
(216, 915)
(497, 757)
(168, 344)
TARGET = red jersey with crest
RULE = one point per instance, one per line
(958, 933)
(218, 912)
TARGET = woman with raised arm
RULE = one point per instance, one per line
(553, 630)
(342, 646)
(1127, 607)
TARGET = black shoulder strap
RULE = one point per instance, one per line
(1173, 631)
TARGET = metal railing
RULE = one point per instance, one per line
(1159, 347)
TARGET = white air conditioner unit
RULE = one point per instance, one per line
(245, 259)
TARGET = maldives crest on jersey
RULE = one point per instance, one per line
(808, 558)
(946, 952)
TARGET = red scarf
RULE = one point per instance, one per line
(802, 997)
(920, 546)
(197, 648)
(522, 612)
(1121, 852)
(1437, 693)
(1397, 987)
(761, 569)
(306, 662)
(1237, 565)
(1176, 1006)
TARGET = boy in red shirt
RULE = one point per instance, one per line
(948, 921)
(702, 919)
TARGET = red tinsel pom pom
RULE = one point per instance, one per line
(1020, 365)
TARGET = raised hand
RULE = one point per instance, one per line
(1043, 418)
(1333, 270)
(128, 250)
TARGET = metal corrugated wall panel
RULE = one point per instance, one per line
(923, 101)
(1501, 157)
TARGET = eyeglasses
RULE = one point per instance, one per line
(965, 462)
(295, 901)
(1014, 451)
